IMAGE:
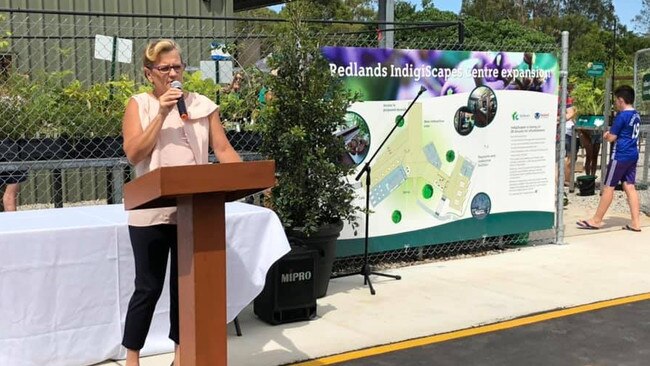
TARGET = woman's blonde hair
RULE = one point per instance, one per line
(155, 48)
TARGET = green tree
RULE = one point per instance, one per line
(506, 32)
(598, 11)
(642, 21)
(298, 127)
(542, 9)
(494, 10)
(424, 37)
(340, 10)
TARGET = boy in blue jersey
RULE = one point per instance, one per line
(624, 135)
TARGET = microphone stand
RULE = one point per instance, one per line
(366, 271)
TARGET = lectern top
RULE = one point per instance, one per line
(160, 187)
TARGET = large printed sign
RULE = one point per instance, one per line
(473, 158)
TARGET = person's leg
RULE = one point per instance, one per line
(567, 171)
(568, 157)
(595, 151)
(10, 196)
(150, 251)
(629, 179)
(633, 202)
(587, 166)
(173, 286)
(132, 357)
(567, 160)
(603, 205)
(585, 142)
(615, 172)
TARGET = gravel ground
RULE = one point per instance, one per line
(619, 203)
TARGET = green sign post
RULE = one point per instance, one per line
(596, 69)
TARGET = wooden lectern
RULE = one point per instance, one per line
(200, 192)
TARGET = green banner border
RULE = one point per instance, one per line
(461, 230)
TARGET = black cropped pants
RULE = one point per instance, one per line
(151, 248)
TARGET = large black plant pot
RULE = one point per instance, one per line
(99, 147)
(9, 150)
(46, 149)
(244, 140)
(323, 240)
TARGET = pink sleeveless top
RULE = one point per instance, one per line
(179, 143)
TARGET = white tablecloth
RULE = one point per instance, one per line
(66, 277)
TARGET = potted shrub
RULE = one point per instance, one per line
(9, 132)
(10, 107)
(39, 115)
(94, 116)
(589, 102)
(312, 196)
(239, 108)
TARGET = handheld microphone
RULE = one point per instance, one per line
(180, 103)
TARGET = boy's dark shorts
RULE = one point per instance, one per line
(620, 171)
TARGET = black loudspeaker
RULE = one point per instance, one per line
(289, 294)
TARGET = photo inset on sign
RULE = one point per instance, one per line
(481, 206)
(356, 137)
(464, 121)
(483, 103)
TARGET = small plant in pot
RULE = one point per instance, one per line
(588, 99)
(312, 196)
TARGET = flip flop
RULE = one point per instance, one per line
(630, 228)
(585, 225)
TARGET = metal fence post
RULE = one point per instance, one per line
(387, 15)
(604, 146)
(559, 207)
(642, 105)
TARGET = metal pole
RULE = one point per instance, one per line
(603, 146)
(461, 32)
(113, 65)
(572, 159)
(638, 86)
(390, 17)
(646, 158)
(559, 206)
(636, 81)
(614, 54)
(386, 16)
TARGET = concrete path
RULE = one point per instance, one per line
(449, 295)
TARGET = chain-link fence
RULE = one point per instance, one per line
(65, 79)
(642, 104)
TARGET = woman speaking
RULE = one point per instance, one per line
(156, 136)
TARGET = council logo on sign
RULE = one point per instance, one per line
(515, 116)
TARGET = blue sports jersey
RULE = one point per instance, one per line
(626, 128)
